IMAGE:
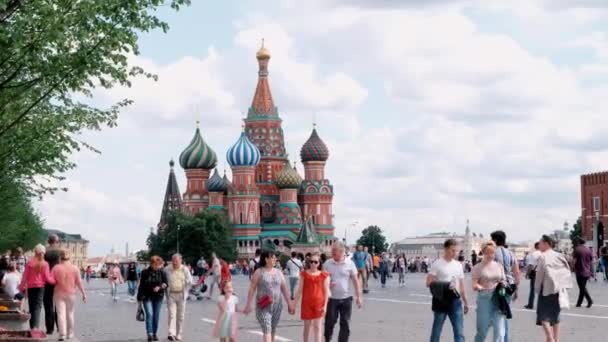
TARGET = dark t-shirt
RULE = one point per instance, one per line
(52, 257)
(583, 261)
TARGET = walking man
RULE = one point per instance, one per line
(360, 260)
(511, 267)
(446, 276)
(179, 280)
(294, 267)
(52, 257)
(216, 272)
(531, 264)
(342, 273)
(583, 264)
(132, 278)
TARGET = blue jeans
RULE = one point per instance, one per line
(456, 315)
(152, 309)
(507, 324)
(293, 282)
(132, 284)
(113, 289)
(489, 315)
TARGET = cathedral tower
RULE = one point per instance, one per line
(173, 200)
(197, 160)
(243, 194)
(263, 128)
(288, 211)
(316, 192)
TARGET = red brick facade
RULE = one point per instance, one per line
(594, 200)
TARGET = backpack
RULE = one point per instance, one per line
(256, 264)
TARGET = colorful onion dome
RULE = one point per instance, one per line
(243, 153)
(198, 155)
(216, 183)
(288, 178)
(227, 181)
(314, 149)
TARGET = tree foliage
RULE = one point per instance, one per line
(20, 225)
(577, 230)
(199, 235)
(53, 55)
(372, 238)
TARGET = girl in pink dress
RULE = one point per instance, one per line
(226, 322)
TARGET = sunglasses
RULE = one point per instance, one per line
(314, 261)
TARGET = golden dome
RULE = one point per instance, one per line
(263, 52)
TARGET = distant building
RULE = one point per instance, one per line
(562, 239)
(73, 243)
(594, 207)
(431, 245)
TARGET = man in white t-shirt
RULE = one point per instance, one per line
(531, 263)
(294, 267)
(449, 270)
(11, 281)
(342, 273)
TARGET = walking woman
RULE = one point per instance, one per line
(553, 279)
(313, 289)
(152, 285)
(115, 278)
(36, 275)
(384, 268)
(485, 278)
(268, 284)
(67, 280)
(132, 278)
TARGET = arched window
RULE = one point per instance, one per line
(241, 218)
(276, 242)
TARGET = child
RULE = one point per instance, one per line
(226, 323)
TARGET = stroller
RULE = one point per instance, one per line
(196, 292)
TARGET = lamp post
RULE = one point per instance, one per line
(178, 228)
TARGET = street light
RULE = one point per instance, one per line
(178, 228)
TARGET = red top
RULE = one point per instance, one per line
(313, 299)
(225, 273)
(34, 277)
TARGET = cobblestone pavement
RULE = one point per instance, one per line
(391, 314)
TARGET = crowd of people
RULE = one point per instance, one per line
(324, 288)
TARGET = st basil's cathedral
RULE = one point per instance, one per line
(267, 201)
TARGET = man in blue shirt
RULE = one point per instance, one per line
(359, 258)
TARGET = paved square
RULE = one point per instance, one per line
(391, 314)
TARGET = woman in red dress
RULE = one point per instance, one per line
(313, 289)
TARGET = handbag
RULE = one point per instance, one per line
(564, 299)
(264, 301)
(140, 316)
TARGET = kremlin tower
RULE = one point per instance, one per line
(267, 201)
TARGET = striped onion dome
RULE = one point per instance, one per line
(198, 155)
(314, 149)
(227, 182)
(243, 153)
(288, 178)
(216, 183)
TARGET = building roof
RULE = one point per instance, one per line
(308, 234)
(198, 155)
(216, 183)
(288, 178)
(243, 153)
(173, 198)
(314, 149)
(65, 237)
(262, 104)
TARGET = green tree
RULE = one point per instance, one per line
(199, 235)
(20, 226)
(372, 238)
(577, 230)
(53, 55)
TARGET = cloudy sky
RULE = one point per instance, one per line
(486, 110)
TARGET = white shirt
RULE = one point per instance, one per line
(532, 259)
(340, 276)
(231, 302)
(294, 266)
(10, 283)
(445, 270)
(217, 267)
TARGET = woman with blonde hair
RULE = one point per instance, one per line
(36, 275)
(67, 280)
(486, 276)
(152, 285)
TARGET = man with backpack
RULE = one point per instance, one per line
(511, 268)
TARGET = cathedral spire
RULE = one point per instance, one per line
(262, 104)
(173, 200)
